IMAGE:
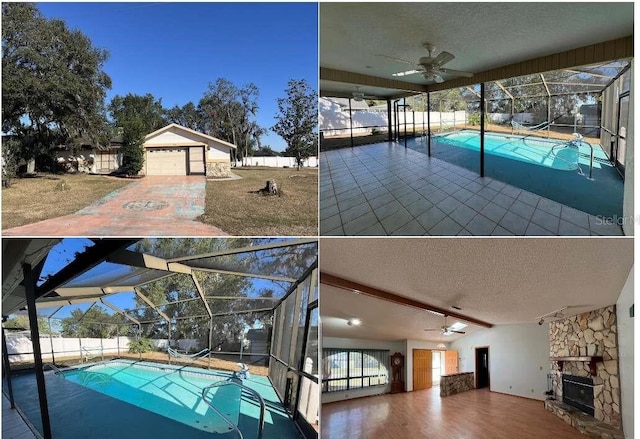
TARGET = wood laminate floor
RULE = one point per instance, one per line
(477, 414)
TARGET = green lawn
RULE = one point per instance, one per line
(234, 206)
(34, 199)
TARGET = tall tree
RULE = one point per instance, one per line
(297, 122)
(22, 322)
(137, 116)
(191, 320)
(95, 322)
(53, 83)
(230, 112)
(217, 104)
(188, 116)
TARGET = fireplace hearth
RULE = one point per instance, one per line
(577, 392)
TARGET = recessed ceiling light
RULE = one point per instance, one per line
(354, 322)
(435, 312)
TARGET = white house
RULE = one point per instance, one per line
(177, 150)
(172, 150)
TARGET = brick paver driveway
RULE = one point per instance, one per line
(151, 206)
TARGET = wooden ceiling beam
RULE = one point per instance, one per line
(358, 288)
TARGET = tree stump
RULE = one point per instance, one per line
(270, 188)
(62, 185)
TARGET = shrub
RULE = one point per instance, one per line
(474, 119)
(141, 346)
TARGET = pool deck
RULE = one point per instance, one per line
(386, 189)
(13, 426)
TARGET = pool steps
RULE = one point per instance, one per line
(251, 391)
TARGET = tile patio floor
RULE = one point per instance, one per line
(385, 189)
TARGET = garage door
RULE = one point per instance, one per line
(167, 161)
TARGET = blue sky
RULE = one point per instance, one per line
(173, 50)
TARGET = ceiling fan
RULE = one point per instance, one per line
(430, 67)
(445, 330)
(359, 96)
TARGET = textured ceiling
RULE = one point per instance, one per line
(480, 35)
(499, 281)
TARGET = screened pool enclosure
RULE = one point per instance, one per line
(561, 135)
(202, 337)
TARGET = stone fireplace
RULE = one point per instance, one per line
(585, 369)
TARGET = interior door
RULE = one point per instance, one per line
(450, 362)
(482, 367)
(422, 369)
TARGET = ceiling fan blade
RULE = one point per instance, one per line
(457, 332)
(434, 329)
(443, 58)
(457, 73)
(408, 72)
(398, 59)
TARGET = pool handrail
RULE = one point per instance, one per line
(242, 387)
(55, 369)
(580, 138)
(590, 177)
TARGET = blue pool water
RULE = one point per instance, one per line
(122, 399)
(545, 167)
(169, 392)
(549, 153)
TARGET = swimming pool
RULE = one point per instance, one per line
(555, 154)
(122, 398)
(542, 166)
(170, 392)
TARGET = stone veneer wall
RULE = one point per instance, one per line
(457, 383)
(594, 334)
(218, 169)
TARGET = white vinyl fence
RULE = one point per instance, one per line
(20, 349)
(278, 162)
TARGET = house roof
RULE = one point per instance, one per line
(188, 130)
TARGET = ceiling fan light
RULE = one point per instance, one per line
(441, 346)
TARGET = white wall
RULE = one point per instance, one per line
(518, 357)
(70, 347)
(174, 137)
(218, 151)
(625, 354)
(349, 343)
(410, 345)
(63, 347)
(279, 162)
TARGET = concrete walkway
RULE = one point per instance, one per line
(151, 206)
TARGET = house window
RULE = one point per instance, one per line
(347, 369)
